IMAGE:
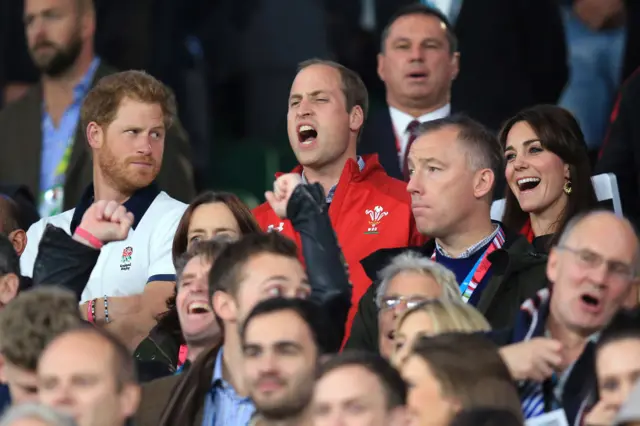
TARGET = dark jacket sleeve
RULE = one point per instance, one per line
(330, 287)
(619, 154)
(364, 329)
(176, 174)
(64, 262)
(546, 50)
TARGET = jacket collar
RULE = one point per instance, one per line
(138, 204)
(516, 254)
(352, 171)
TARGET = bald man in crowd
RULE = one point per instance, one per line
(550, 348)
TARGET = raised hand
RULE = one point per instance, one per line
(283, 187)
(107, 221)
(535, 359)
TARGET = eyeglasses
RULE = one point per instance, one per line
(410, 302)
(593, 260)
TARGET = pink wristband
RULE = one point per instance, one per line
(89, 316)
(93, 241)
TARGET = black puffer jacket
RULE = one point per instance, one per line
(518, 273)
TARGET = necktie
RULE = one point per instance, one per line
(411, 128)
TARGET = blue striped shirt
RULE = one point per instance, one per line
(223, 406)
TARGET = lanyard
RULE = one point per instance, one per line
(480, 269)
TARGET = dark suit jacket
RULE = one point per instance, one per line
(155, 397)
(506, 64)
(21, 147)
(378, 137)
(512, 56)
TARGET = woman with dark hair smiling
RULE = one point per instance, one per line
(210, 215)
(547, 172)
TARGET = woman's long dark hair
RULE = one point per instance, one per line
(168, 322)
(560, 133)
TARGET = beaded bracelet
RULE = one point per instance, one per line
(106, 310)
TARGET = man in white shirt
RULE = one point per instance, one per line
(126, 116)
(418, 62)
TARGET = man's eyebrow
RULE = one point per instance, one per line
(313, 94)
(431, 160)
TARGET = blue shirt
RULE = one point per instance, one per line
(223, 406)
(56, 140)
(463, 264)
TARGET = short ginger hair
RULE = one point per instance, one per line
(32, 320)
(103, 101)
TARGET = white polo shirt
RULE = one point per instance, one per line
(123, 267)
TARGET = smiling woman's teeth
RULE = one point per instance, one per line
(527, 180)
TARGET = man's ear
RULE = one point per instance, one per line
(552, 265)
(130, 399)
(455, 65)
(483, 183)
(19, 240)
(356, 118)
(9, 285)
(224, 306)
(95, 135)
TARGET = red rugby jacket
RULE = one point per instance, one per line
(370, 210)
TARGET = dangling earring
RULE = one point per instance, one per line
(567, 187)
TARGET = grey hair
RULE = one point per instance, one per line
(575, 221)
(411, 261)
(35, 411)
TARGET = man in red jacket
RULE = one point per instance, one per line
(368, 209)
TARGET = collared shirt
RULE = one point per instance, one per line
(332, 190)
(401, 121)
(562, 378)
(474, 248)
(56, 140)
(223, 406)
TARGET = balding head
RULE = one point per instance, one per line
(593, 270)
(618, 229)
